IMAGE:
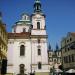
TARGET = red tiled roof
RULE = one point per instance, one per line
(18, 35)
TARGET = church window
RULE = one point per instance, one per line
(38, 40)
(24, 29)
(22, 50)
(72, 57)
(22, 68)
(39, 65)
(55, 60)
(39, 51)
(38, 25)
(25, 17)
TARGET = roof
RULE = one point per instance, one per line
(73, 33)
(23, 35)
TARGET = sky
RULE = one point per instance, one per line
(60, 16)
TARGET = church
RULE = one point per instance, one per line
(27, 44)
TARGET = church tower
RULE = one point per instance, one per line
(38, 20)
(39, 41)
(27, 44)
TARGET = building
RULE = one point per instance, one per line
(3, 41)
(50, 54)
(54, 58)
(27, 44)
(68, 51)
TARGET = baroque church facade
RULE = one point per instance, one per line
(27, 44)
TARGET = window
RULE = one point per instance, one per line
(68, 49)
(22, 68)
(65, 49)
(24, 29)
(72, 57)
(24, 17)
(64, 60)
(39, 52)
(38, 40)
(69, 59)
(28, 18)
(67, 40)
(38, 25)
(55, 60)
(70, 39)
(50, 59)
(39, 65)
(22, 50)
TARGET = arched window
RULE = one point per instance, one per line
(22, 68)
(24, 29)
(39, 65)
(22, 50)
(38, 25)
(39, 51)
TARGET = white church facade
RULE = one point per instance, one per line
(27, 44)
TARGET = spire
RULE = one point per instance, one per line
(57, 47)
(37, 6)
(49, 47)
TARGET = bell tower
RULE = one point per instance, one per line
(39, 36)
(38, 20)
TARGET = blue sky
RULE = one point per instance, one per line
(60, 16)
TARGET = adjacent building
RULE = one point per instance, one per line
(54, 58)
(3, 41)
(68, 51)
(27, 44)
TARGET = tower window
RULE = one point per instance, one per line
(38, 40)
(22, 68)
(39, 65)
(38, 25)
(39, 51)
(37, 7)
(22, 50)
(24, 29)
(24, 17)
